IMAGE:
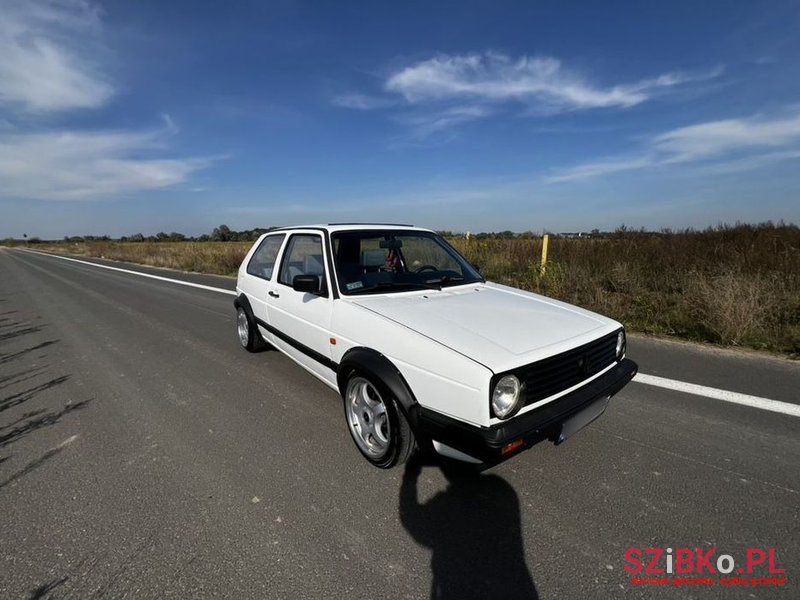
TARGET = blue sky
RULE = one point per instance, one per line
(120, 117)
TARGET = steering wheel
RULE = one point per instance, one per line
(426, 268)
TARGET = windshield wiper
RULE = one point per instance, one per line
(444, 279)
(390, 285)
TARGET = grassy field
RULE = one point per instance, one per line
(735, 286)
(221, 258)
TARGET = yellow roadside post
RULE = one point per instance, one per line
(545, 242)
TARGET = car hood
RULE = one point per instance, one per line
(498, 326)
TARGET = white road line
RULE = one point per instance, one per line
(139, 273)
(785, 408)
(671, 384)
(66, 442)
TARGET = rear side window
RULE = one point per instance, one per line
(303, 256)
(262, 263)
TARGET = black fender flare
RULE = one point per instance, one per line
(375, 365)
(241, 301)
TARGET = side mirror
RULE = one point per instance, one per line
(476, 267)
(306, 283)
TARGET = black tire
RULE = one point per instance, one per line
(393, 439)
(249, 336)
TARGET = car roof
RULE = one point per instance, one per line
(333, 227)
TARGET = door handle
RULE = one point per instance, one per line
(274, 294)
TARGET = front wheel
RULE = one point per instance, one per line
(379, 429)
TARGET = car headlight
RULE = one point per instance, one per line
(506, 396)
(620, 345)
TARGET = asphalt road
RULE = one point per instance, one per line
(144, 454)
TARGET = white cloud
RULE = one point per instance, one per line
(453, 88)
(86, 166)
(47, 56)
(605, 166)
(724, 146)
(749, 163)
(362, 101)
(719, 137)
(425, 124)
(169, 123)
(49, 65)
(540, 81)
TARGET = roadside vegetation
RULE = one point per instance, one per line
(730, 285)
(220, 258)
(735, 286)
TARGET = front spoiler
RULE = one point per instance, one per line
(486, 443)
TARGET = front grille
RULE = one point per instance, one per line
(552, 375)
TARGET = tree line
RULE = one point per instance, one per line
(223, 233)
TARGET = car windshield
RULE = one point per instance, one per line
(397, 261)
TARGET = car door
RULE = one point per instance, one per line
(300, 321)
(260, 271)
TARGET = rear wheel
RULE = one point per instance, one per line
(378, 427)
(249, 337)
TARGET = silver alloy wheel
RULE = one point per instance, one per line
(367, 417)
(243, 326)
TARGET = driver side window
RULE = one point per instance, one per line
(421, 252)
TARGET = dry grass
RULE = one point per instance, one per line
(221, 258)
(734, 286)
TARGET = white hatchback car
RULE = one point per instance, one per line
(423, 350)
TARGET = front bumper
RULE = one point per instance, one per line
(487, 443)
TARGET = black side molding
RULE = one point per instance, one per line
(242, 301)
(320, 358)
